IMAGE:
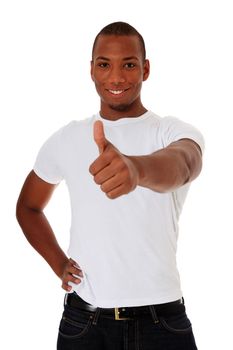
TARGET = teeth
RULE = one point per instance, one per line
(116, 92)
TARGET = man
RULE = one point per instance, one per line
(128, 172)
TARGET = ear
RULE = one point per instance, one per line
(91, 69)
(146, 70)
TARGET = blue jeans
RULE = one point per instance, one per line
(83, 330)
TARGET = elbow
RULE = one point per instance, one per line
(19, 211)
(23, 212)
(194, 169)
(192, 162)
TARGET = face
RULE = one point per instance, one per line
(118, 70)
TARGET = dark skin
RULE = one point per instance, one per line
(118, 71)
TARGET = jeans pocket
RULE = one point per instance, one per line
(179, 324)
(74, 329)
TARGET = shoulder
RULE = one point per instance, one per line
(169, 120)
(75, 127)
(172, 122)
(173, 129)
(77, 124)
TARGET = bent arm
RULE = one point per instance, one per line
(34, 196)
(169, 168)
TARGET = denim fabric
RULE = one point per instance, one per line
(82, 330)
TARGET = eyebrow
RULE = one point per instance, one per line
(124, 59)
(130, 58)
(102, 58)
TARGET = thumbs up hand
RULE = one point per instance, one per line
(116, 173)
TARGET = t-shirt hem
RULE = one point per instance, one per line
(194, 138)
(131, 302)
(44, 177)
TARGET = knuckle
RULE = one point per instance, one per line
(64, 282)
(103, 188)
(73, 269)
(76, 280)
(91, 169)
(115, 157)
(97, 180)
(70, 278)
(68, 266)
(64, 286)
(110, 195)
(66, 278)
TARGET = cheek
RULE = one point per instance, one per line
(98, 86)
(99, 77)
(138, 85)
(136, 78)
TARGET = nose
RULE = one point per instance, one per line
(116, 76)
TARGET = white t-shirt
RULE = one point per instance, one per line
(126, 247)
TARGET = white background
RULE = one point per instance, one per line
(44, 83)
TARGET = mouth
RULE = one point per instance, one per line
(116, 92)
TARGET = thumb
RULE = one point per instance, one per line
(99, 136)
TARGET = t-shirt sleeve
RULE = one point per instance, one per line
(48, 161)
(173, 129)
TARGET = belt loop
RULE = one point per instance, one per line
(153, 313)
(65, 299)
(95, 319)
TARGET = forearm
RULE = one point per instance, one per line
(169, 168)
(39, 233)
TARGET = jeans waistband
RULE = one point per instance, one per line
(122, 313)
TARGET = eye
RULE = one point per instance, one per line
(130, 65)
(103, 65)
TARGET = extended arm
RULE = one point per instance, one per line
(33, 198)
(169, 168)
(161, 171)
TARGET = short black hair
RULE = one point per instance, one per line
(121, 28)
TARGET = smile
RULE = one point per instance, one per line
(117, 92)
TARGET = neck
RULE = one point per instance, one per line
(114, 114)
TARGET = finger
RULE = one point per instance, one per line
(104, 175)
(99, 136)
(116, 192)
(70, 278)
(111, 183)
(73, 262)
(98, 164)
(66, 287)
(74, 270)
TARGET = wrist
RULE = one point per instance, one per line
(60, 266)
(138, 165)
